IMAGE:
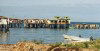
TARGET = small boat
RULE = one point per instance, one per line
(75, 38)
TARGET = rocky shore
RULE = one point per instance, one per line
(36, 46)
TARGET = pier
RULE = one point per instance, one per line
(34, 23)
(4, 25)
(15, 23)
(47, 23)
(86, 26)
(59, 22)
(56, 23)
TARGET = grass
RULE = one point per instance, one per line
(91, 44)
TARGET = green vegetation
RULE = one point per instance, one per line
(91, 44)
(56, 44)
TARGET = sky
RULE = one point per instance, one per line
(77, 10)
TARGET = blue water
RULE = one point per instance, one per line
(45, 34)
(85, 23)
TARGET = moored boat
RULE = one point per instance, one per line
(75, 38)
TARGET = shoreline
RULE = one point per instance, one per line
(28, 46)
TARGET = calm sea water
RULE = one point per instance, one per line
(45, 34)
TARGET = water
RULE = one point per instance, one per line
(47, 35)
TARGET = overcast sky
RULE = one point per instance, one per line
(78, 10)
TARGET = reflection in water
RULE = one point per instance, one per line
(4, 38)
(45, 34)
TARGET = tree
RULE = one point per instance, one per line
(67, 17)
(57, 17)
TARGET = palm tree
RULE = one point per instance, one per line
(67, 17)
(57, 17)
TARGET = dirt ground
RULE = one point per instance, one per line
(29, 46)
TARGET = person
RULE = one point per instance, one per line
(91, 38)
